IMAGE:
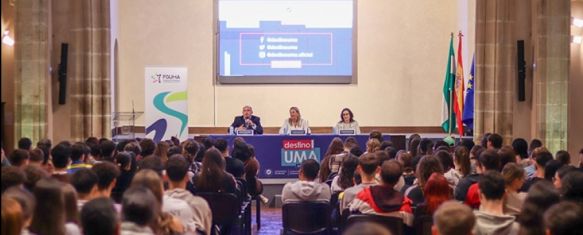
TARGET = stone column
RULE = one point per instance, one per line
(495, 67)
(32, 75)
(551, 74)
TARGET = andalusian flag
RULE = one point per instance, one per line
(449, 122)
(458, 94)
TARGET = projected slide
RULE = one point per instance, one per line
(285, 38)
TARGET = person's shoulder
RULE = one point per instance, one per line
(255, 117)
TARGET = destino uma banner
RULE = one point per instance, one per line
(166, 112)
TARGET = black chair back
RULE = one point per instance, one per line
(393, 224)
(423, 221)
(226, 207)
(306, 218)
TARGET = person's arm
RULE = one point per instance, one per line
(258, 128)
(307, 127)
(356, 127)
(284, 127)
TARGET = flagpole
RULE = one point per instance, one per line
(450, 104)
(460, 35)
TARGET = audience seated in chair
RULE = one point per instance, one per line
(176, 170)
(306, 188)
(564, 219)
(384, 199)
(368, 167)
(467, 189)
(490, 219)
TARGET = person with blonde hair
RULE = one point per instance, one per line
(294, 122)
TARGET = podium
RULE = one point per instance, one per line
(124, 124)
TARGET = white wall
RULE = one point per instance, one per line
(402, 54)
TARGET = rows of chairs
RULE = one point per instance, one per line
(315, 218)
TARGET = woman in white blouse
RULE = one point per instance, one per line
(294, 122)
(347, 122)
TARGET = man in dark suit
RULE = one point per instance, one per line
(247, 121)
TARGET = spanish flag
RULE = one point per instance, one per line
(458, 94)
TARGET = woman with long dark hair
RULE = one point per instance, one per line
(345, 179)
(329, 165)
(50, 201)
(213, 177)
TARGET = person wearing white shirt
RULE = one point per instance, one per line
(346, 122)
(294, 122)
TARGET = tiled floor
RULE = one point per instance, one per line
(270, 221)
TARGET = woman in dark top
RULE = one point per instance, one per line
(213, 177)
(427, 166)
(125, 161)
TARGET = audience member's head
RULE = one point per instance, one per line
(49, 201)
(425, 147)
(560, 174)
(33, 174)
(222, 145)
(376, 135)
(45, 145)
(453, 218)
(507, 155)
(385, 144)
(494, 141)
(513, 176)
(148, 147)
(24, 143)
(241, 151)
(551, 169)
(541, 196)
(37, 156)
(349, 143)
(372, 145)
(564, 157)
(391, 171)
(19, 157)
(468, 143)
(85, 182)
(368, 164)
(107, 150)
(26, 200)
(139, 206)
(427, 166)
(367, 228)
(572, 188)
(406, 159)
(492, 187)
(12, 176)
(346, 175)
(564, 219)
(151, 180)
(488, 160)
(177, 169)
(309, 170)
(154, 163)
(436, 191)
(381, 156)
(12, 222)
(124, 161)
(99, 216)
(191, 149)
(356, 151)
(61, 155)
(445, 159)
(414, 146)
(79, 151)
(133, 147)
(176, 149)
(462, 160)
(534, 143)
(107, 174)
(520, 147)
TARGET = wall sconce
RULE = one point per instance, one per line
(576, 39)
(6, 39)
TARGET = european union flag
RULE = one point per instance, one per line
(468, 115)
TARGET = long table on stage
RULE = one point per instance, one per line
(280, 155)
